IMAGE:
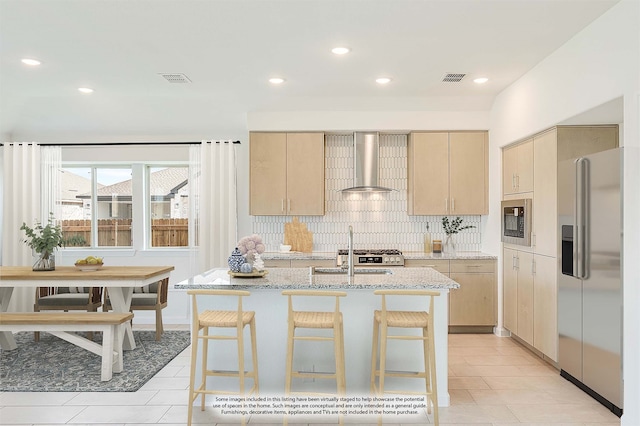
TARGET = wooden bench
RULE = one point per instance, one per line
(60, 323)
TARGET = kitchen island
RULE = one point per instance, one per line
(357, 308)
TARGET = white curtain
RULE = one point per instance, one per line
(50, 181)
(213, 225)
(29, 194)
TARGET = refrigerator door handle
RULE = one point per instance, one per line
(581, 212)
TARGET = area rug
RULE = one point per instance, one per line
(54, 365)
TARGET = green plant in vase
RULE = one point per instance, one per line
(43, 240)
(452, 227)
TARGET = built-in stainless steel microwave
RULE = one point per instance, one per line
(516, 221)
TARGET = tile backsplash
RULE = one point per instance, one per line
(379, 220)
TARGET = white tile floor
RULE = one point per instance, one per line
(492, 381)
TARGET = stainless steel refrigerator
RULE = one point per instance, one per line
(590, 275)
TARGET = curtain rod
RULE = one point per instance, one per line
(127, 143)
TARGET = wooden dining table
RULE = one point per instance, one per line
(120, 282)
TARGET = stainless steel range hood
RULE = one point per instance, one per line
(366, 147)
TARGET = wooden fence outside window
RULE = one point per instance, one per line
(117, 232)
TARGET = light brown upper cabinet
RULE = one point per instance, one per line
(447, 173)
(517, 168)
(544, 234)
(286, 174)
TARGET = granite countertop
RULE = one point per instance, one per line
(316, 255)
(301, 278)
(413, 255)
(460, 255)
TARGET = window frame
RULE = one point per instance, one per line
(147, 198)
(140, 201)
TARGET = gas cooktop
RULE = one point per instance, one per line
(374, 257)
(373, 252)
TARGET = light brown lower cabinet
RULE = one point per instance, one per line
(299, 263)
(440, 265)
(545, 306)
(319, 263)
(473, 305)
(277, 263)
(518, 293)
(525, 296)
(530, 299)
(510, 290)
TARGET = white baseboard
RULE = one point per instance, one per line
(501, 332)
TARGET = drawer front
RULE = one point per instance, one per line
(470, 266)
(440, 265)
(277, 263)
(305, 263)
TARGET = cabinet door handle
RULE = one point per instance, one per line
(474, 266)
(513, 181)
(446, 205)
(453, 204)
(517, 181)
(533, 267)
(533, 239)
(282, 205)
(289, 205)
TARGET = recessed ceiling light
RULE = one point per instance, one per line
(276, 80)
(32, 62)
(340, 50)
(85, 90)
(481, 80)
(383, 80)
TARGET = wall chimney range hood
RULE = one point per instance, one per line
(366, 152)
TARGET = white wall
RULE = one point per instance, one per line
(384, 121)
(597, 65)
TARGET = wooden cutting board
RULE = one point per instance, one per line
(298, 236)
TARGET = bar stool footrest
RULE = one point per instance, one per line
(409, 374)
(314, 375)
(223, 392)
(232, 373)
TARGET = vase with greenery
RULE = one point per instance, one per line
(43, 240)
(451, 228)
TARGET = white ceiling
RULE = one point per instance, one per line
(230, 48)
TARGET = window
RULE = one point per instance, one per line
(97, 206)
(104, 206)
(169, 206)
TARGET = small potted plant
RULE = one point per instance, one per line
(43, 240)
(451, 228)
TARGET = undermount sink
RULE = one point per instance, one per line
(357, 271)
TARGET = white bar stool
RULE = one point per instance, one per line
(202, 321)
(382, 320)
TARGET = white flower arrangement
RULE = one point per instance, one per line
(251, 245)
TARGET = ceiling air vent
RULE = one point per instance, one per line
(175, 78)
(453, 77)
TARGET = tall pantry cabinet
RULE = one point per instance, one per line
(530, 272)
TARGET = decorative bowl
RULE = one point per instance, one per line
(86, 267)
